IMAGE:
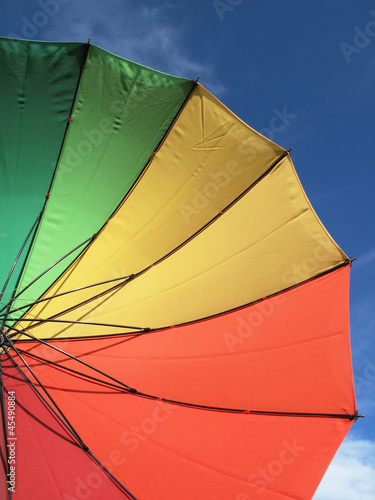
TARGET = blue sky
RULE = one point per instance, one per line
(313, 63)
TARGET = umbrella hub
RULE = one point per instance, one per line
(4, 341)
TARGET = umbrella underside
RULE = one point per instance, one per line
(176, 324)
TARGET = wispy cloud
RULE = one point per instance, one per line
(365, 259)
(362, 322)
(146, 35)
(362, 333)
(351, 474)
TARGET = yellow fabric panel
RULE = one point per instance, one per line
(269, 240)
(206, 161)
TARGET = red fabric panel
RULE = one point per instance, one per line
(48, 463)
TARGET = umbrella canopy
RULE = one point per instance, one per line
(174, 316)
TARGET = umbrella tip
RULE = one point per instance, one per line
(356, 416)
(196, 81)
(88, 41)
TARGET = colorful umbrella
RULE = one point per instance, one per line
(174, 316)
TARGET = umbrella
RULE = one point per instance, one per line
(174, 315)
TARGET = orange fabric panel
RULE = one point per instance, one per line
(297, 359)
(288, 353)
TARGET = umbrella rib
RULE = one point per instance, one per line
(76, 372)
(225, 209)
(84, 59)
(64, 421)
(40, 321)
(256, 301)
(9, 305)
(61, 351)
(250, 412)
(61, 417)
(65, 437)
(19, 255)
(135, 392)
(44, 299)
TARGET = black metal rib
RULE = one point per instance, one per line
(61, 417)
(35, 302)
(84, 59)
(279, 292)
(40, 321)
(65, 422)
(17, 295)
(129, 390)
(225, 209)
(247, 411)
(64, 353)
(135, 392)
(77, 372)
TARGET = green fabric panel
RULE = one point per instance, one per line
(37, 85)
(122, 111)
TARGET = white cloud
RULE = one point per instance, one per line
(147, 35)
(351, 474)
